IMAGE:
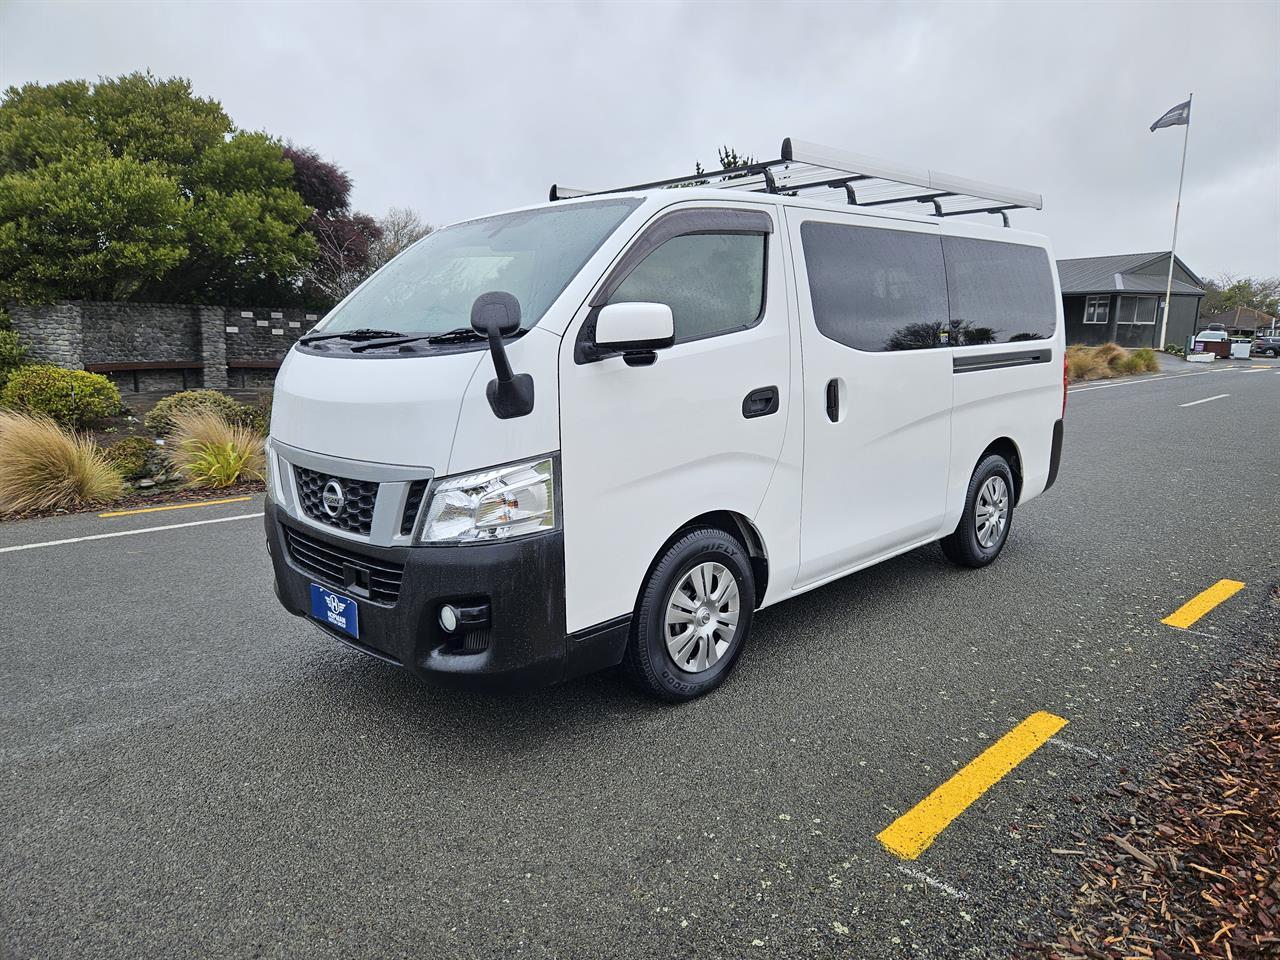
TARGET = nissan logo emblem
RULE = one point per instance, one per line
(333, 498)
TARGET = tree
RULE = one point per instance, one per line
(729, 159)
(351, 248)
(401, 228)
(134, 188)
(343, 238)
(1227, 291)
(342, 261)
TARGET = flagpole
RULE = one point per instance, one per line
(1177, 209)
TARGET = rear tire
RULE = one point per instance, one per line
(988, 514)
(693, 616)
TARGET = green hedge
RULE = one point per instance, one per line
(130, 455)
(11, 355)
(159, 419)
(73, 398)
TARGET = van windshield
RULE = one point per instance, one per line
(533, 254)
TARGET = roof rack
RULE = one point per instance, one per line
(866, 182)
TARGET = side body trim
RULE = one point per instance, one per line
(998, 361)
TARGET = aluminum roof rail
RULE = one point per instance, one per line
(866, 182)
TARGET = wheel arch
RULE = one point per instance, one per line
(735, 525)
(1005, 447)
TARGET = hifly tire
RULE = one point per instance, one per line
(988, 514)
(693, 616)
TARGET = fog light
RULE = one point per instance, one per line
(449, 618)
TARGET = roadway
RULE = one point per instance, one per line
(187, 771)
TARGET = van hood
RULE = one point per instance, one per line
(401, 410)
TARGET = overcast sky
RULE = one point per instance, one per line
(462, 109)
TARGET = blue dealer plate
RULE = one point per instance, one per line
(335, 610)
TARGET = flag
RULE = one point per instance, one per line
(1174, 116)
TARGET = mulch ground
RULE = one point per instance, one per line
(155, 497)
(1193, 868)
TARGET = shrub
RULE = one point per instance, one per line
(1083, 364)
(1111, 354)
(160, 418)
(43, 466)
(213, 452)
(1129, 364)
(1175, 349)
(73, 398)
(1148, 362)
(257, 414)
(130, 456)
(11, 355)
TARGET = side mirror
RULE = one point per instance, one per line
(635, 330)
(496, 315)
(495, 309)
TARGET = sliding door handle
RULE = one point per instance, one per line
(760, 402)
(833, 400)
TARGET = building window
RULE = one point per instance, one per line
(1097, 309)
(1137, 310)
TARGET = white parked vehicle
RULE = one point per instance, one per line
(610, 428)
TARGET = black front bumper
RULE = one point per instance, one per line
(521, 580)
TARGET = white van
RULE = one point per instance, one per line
(608, 429)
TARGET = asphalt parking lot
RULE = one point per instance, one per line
(188, 771)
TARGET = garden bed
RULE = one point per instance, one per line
(68, 444)
(158, 496)
(1191, 866)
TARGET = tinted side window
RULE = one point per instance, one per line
(876, 289)
(999, 292)
(713, 282)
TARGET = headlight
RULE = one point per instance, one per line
(493, 505)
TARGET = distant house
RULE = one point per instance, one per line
(1121, 299)
(1241, 322)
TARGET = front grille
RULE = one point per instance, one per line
(356, 514)
(331, 564)
(417, 490)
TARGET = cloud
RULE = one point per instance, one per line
(459, 110)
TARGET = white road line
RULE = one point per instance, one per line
(1130, 383)
(1205, 400)
(126, 533)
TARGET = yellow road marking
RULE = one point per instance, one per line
(1199, 605)
(173, 506)
(912, 833)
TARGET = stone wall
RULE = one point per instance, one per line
(51, 334)
(162, 346)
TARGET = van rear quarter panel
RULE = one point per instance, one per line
(1021, 403)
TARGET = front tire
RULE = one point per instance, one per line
(693, 616)
(988, 513)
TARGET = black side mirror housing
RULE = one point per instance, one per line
(496, 315)
(495, 309)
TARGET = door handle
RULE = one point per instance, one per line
(833, 400)
(760, 402)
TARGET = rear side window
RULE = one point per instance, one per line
(999, 292)
(713, 282)
(876, 289)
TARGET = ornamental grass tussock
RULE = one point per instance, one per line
(1108, 360)
(211, 451)
(46, 467)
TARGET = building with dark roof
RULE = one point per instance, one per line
(1243, 322)
(1121, 299)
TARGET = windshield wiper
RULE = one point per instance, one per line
(455, 335)
(364, 333)
(459, 335)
